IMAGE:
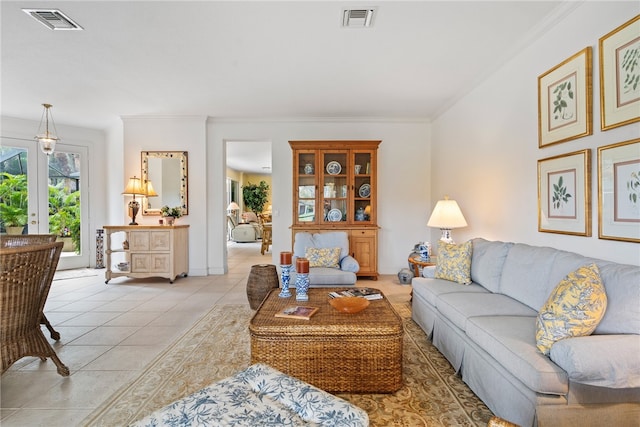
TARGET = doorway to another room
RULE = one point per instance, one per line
(247, 162)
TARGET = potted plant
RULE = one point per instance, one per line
(13, 202)
(171, 213)
(255, 196)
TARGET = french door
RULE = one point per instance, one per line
(56, 193)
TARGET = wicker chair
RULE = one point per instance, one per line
(25, 280)
(15, 241)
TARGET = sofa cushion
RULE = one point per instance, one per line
(458, 307)
(525, 274)
(430, 289)
(600, 360)
(509, 340)
(323, 276)
(454, 262)
(487, 261)
(623, 299)
(574, 308)
(332, 239)
(323, 257)
(349, 263)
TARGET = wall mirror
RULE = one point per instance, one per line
(167, 173)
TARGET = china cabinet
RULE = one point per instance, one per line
(334, 188)
(149, 251)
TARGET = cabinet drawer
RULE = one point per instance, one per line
(364, 233)
(150, 240)
(139, 241)
(160, 241)
(150, 263)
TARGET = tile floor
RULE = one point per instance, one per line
(111, 332)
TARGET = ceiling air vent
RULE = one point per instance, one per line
(357, 18)
(52, 19)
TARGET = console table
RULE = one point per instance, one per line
(150, 251)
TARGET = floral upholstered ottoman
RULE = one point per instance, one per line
(258, 396)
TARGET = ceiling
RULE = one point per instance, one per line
(264, 59)
(249, 156)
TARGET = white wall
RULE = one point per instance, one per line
(485, 148)
(171, 134)
(403, 178)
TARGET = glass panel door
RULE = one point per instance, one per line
(68, 211)
(362, 187)
(334, 187)
(15, 187)
(53, 186)
(306, 165)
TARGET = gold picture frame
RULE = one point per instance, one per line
(565, 107)
(619, 191)
(619, 53)
(564, 194)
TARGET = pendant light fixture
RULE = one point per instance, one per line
(47, 139)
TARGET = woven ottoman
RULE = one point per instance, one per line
(337, 352)
(258, 395)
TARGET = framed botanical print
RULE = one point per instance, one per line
(620, 75)
(564, 195)
(564, 100)
(619, 191)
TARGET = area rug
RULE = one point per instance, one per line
(219, 345)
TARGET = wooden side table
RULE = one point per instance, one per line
(416, 263)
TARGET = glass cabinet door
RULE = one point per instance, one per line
(306, 173)
(335, 188)
(363, 208)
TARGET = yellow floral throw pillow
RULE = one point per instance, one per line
(574, 308)
(454, 262)
(323, 257)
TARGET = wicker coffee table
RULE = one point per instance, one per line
(355, 353)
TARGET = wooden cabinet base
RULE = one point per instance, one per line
(363, 245)
(151, 251)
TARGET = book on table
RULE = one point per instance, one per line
(368, 293)
(297, 312)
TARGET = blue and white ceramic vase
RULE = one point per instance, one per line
(302, 287)
(425, 251)
(285, 292)
(308, 169)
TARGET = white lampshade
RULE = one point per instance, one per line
(233, 206)
(134, 186)
(447, 215)
(151, 192)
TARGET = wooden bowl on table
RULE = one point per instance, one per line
(349, 304)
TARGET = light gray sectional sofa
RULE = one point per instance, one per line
(487, 332)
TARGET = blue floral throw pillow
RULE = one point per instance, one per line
(454, 262)
(574, 308)
(323, 257)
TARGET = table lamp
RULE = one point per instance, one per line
(134, 187)
(447, 215)
(149, 193)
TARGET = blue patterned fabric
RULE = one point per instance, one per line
(258, 396)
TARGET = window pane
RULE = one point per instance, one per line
(64, 199)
